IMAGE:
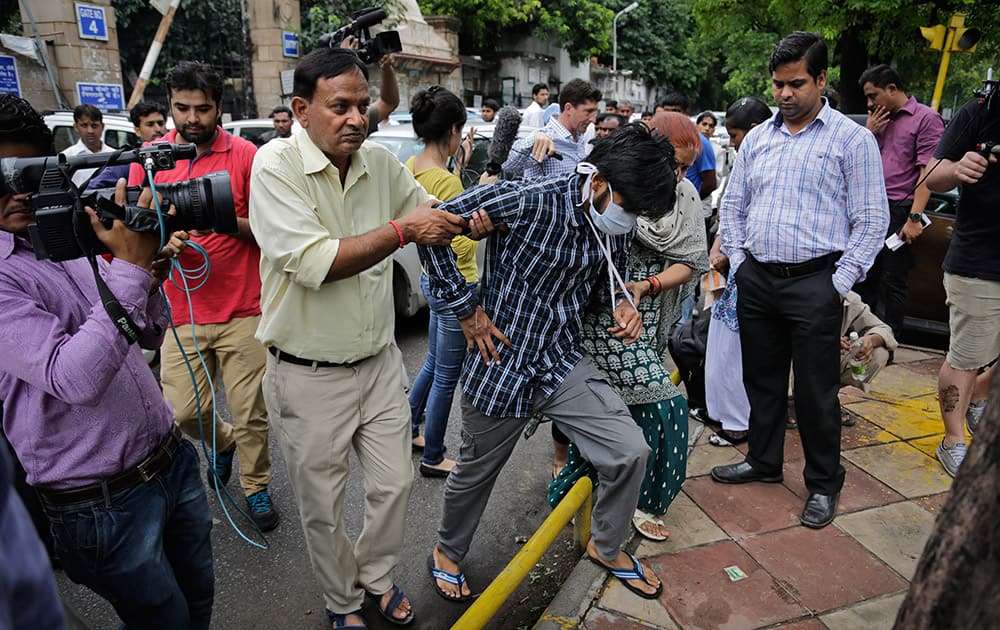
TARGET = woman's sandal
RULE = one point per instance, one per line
(640, 518)
(390, 607)
(725, 438)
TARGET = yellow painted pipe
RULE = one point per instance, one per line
(486, 605)
(675, 377)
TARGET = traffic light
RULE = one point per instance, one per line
(934, 36)
(966, 39)
(954, 38)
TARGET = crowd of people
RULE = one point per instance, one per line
(596, 268)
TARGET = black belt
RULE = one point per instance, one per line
(144, 471)
(792, 270)
(281, 355)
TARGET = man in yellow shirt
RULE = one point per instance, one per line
(329, 213)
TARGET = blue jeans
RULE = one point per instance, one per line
(434, 387)
(147, 549)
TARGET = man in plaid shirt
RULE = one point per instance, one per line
(562, 233)
(566, 134)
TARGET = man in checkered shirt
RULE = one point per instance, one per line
(562, 233)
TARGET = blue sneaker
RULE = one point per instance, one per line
(222, 464)
(262, 510)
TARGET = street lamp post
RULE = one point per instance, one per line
(614, 40)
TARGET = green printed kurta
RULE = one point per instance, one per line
(639, 375)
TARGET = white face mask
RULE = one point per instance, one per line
(614, 220)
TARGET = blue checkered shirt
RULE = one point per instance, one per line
(520, 163)
(792, 198)
(538, 278)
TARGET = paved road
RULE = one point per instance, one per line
(275, 589)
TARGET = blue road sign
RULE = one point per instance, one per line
(290, 44)
(104, 96)
(92, 22)
(9, 82)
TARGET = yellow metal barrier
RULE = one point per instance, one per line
(577, 501)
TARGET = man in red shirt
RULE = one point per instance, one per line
(226, 308)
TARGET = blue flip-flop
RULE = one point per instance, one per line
(339, 620)
(390, 607)
(627, 575)
(458, 579)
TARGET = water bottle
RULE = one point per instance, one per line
(858, 368)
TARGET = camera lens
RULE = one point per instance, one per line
(204, 203)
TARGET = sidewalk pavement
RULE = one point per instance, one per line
(851, 574)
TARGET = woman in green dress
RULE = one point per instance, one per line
(667, 258)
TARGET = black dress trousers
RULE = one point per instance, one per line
(792, 321)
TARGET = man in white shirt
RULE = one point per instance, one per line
(534, 115)
(88, 123)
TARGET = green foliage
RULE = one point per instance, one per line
(10, 18)
(582, 27)
(859, 32)
(714, 50)
(655, 43)
(484, 20)
(203, 31)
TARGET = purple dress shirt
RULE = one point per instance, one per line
(907, 144)
(80, 403)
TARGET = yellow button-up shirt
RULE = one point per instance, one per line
(299, 212)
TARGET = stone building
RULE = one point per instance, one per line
(82, 46)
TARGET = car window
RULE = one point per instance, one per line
(477, 162)
(64, 138)
(117, 139)
(943, 203)
(257, 135)
(402, 148)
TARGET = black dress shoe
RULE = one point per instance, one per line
(742, 473)
(820, 510)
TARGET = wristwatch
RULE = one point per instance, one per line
(916, 217)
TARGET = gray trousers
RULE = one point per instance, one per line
(587, 409)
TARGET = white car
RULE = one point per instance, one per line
(118, 130)
(256, 130)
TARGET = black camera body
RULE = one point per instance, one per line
(370, 49)
(62, 229)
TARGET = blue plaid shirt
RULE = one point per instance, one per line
(792, 198)
(520, 163)
(538, 278)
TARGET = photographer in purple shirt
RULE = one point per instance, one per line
(85, 415)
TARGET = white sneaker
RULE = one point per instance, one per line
(973, 415)
(951, 457)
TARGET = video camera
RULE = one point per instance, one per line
(370, 49)
(62, 229)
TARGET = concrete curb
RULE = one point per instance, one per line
(580, 591)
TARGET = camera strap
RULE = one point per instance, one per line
(112, 306)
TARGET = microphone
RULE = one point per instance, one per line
(365, 20)
(504, 134)
(368, 18)
(508, 122)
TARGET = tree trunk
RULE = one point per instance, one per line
(955, 585)
(853, 54)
